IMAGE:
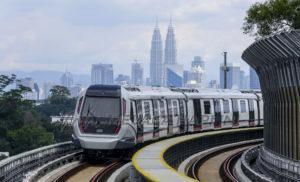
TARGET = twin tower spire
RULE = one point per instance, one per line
(156, 56)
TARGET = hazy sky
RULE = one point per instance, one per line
(73, 34)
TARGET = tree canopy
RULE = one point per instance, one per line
(25, 126)
(272, 16)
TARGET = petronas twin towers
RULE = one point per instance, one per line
(156, 58)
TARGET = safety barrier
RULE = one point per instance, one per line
(179, 152)
(247, 159)
(14, 168)
(159, 161)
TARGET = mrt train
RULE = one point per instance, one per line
(111, 117)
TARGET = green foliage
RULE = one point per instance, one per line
(272, 16)
(58, 103)
(28, 137)
(24, 126)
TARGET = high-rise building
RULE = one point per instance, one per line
(254, 81)
(156, 58)
(66, 79)
(29, 82)
(174, 75)
(196, 76)
(170, 46)
(75, 90)
(46, 87)
(244, 82)
(137, 74)
(122, 79)
(198, 62)
(213, 84)
(233, 76)
(102, 74)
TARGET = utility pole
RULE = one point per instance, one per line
(225, 69)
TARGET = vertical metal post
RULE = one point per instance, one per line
(225, 70)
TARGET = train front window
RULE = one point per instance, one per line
(102, 107)
(100, 115)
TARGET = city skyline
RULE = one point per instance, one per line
(78, 42)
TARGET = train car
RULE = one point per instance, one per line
(113, 117)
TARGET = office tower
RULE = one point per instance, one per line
(137, 74)
(102, 74)
(66, 79)
(198, 62)
(122, 79)
(156, 56)
(233, 76)
(174, 75)
(46, 87)
(75, 90)
(29, 82)
(170, 46)
(254, 81)
(195, 77)
(243, 84)
(213, 84)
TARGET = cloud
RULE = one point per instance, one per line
(59, 35)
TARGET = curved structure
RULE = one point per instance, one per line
(276, 61)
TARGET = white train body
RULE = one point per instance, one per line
(109, 117)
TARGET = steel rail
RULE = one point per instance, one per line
(104, 173)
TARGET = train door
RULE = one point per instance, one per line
(226, 113)
(163, 119)
(148, 120)
(251, 112)
(235, 113)
(218, 117)
(197, 115)
(207, 114)
(176, 121)
(170, 117)
(182, 115)
(155, 104)
(244, 112)
(139, 122)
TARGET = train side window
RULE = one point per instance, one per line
(226, 107)
(155, 109)
(251, 104)
(147, 110)
(79, 105)
(132, 112)
(217, 105)
(243, 106)
(235, 105)
(139, 110)
(197, 111)
(175, 106)
(206, 107)
(162, 109)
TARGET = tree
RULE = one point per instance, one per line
(272, 16)
(29, 137)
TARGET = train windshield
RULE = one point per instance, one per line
(101, 107)
(100, 115)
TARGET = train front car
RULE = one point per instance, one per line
(99, 121)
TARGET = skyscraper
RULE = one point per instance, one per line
(102, 74)
(170, 46)
(156, 71)
(233, 76)
(198, 62)
(137, 77)
(66, 79)
(254, 81)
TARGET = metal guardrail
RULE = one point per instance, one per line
(278, 166)
(14, 168)
(181, 151)
(248, 158)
